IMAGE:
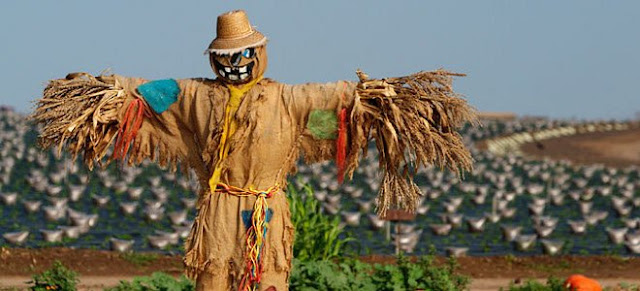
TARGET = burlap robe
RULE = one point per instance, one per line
(412, 119)
(271, 134)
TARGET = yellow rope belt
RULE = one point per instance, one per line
(258, 229)
(256, 233)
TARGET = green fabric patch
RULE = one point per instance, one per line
(323, 124)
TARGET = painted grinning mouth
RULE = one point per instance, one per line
(235, 73)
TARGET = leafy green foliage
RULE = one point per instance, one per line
(58, 277)
(420, 275)
(318, 236)
(139, 259)
(156, 282)
(327, 275)
(553, 284)
(355, 275)
(627, 286)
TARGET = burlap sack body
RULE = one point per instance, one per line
(271, 132)
(412, 119)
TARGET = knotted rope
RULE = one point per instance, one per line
(256, 233)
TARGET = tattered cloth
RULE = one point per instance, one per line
(256, 233)
(413, 121)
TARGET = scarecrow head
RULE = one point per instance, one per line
(237, 54)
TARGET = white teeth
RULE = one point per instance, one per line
(244, 76)
(242, 70)
(227, 69)
(233, 77)
(221, 72)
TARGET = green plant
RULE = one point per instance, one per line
(139, 259)
(318, 236)
(553, 284)
(125, 236)
(423, 274)
(351, 274)
(327, 275)
(626, 286)
(58, 277)
(156, 282)
(510, 258)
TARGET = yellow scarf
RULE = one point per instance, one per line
(229, 128)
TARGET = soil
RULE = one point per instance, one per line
(98, 269)
(539, 266)
(24, 262)
(616, 149)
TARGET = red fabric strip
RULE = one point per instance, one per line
(129, 127)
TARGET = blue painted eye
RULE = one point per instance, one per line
(248, 53)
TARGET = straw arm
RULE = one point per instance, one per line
(165, 133)
(413, 121)
(89, 115)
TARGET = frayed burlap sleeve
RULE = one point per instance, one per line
(176, 134)
(315, 108)
(414, 122)
(85, 114)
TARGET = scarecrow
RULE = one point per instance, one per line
(242, 134)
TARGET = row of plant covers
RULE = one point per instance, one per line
(506, 205)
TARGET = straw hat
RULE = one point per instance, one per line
(234, 33)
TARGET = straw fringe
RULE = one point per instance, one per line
(318, 150)
(193, 268)
(234, 50)
(413, 120)
(194, 245)
(81, 112)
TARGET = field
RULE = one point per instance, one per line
(618, 149)
(99, 269)
(512, 217)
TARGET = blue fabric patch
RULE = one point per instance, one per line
(160, 94)
(247, 214)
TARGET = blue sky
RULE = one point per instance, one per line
(563, 59)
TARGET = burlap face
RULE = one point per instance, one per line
(240, 68)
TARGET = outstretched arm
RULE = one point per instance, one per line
(89, 114)
(317, 110)
(414, 122)
(412, 119)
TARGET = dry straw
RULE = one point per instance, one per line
(413, 121)
(80, 111)
(234, 34)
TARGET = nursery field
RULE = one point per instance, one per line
(513, 216)
(619, 149)
(508, 205)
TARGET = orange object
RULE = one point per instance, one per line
(136, 112)
(582, 283)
